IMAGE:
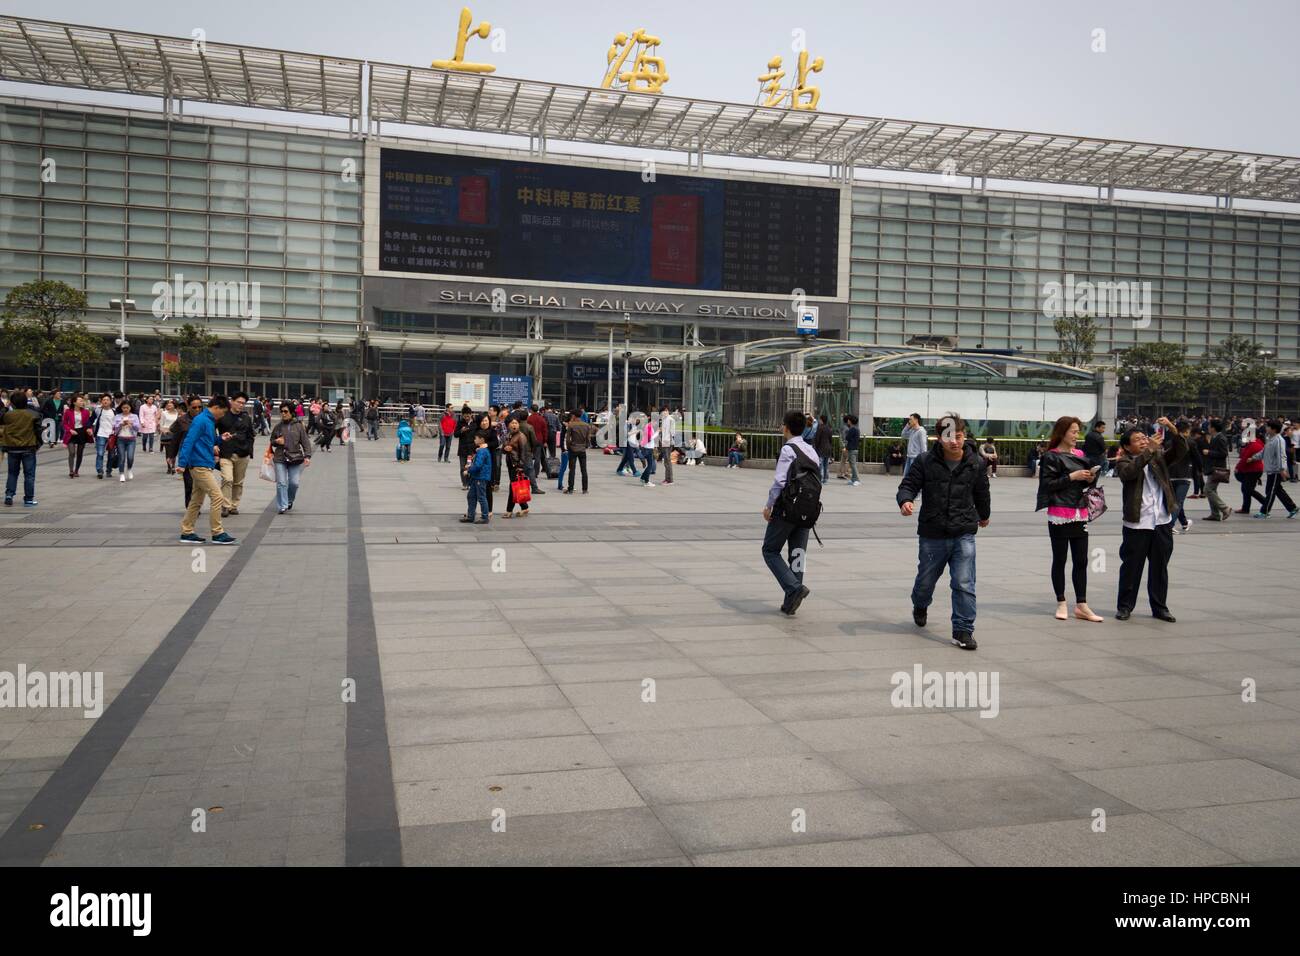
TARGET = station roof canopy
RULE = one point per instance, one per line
(118, 61)
(36, 51)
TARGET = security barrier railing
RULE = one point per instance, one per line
(872, 449)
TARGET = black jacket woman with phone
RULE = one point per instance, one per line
(1064, 476)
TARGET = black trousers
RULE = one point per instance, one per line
(578, 459)
(1249, 481)
(189, 486)
(1275, 492)
(1151, 549)
(1070, 541)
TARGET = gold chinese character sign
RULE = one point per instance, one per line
(801, 95)
(463, 33)
(647, 74)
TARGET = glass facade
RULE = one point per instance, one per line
(975, 267)
(131, 201)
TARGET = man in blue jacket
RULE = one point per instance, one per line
(198, 459)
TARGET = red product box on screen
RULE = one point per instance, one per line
(675, 239)
(473, 200)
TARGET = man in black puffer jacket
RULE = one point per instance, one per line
(952, 479)
(464, 434)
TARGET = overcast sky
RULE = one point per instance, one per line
(1186, 72)
(1181, 72)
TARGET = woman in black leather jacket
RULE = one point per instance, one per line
(1063, 478)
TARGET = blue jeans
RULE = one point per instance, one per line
(372, 431)
(648, 464)
(146, 441)
(908, 466)
(101, 449)
(478, 496)
(958, 554)
(125, 454)
(781, 534)
(734, 458)
(24, 460)
(287, 478)
(826, 470)
(627, 461)
(444, 447)
(403, 452)
(564, 464)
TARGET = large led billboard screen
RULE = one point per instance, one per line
(504, 219)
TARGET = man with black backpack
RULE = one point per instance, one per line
(793, 506)
(953, 482)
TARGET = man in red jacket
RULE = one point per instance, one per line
(538, 422)
(446, 428)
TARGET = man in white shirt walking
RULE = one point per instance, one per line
(796, 456)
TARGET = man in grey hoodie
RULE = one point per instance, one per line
(917, 445)
(1274, 455)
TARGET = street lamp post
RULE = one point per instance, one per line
(609, 381)
(625, 327)
(122, 344)
(1265, 354)
(627, 338)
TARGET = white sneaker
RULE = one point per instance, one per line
(648, 484)
(855, 483)
(122, 477)
(1190, 522)
(1175, 528)
(130, 476)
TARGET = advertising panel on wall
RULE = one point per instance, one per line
(494, 218)
(471, 390)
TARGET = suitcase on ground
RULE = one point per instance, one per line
(552, 468)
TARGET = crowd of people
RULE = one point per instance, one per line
(536, 443)
(208, 446)
(1160, 465)
(1156, 462)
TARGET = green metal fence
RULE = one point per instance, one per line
(873, 449)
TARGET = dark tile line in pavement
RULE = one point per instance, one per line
(371, 834)
(35, 830)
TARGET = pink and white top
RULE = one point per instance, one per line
(1059, 514)
(148, 415)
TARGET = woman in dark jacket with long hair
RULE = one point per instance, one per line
(1063, 477)
(487, 429)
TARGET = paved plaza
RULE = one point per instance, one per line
(497, 681)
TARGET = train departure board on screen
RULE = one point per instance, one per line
(492, 218)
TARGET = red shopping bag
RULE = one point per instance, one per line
(522, 491)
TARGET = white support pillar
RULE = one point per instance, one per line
(866, 398)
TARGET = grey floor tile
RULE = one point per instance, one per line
(1199, 784)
